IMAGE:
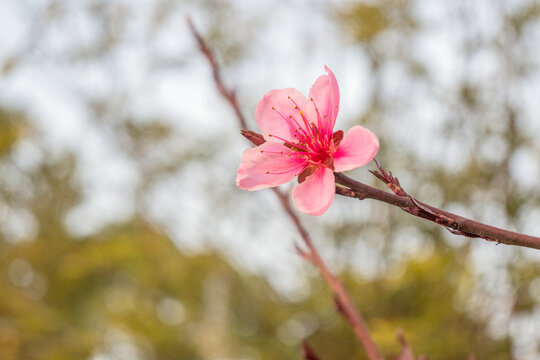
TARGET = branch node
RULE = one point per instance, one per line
(303, 253)
(391, 182)
(350, 193)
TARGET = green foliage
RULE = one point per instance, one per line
(66, 298)
(12, 128)
(366, 20)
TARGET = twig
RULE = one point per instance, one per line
(227, 93)
(406, 351)
(458, 225)
(308, 353)
(343, 300)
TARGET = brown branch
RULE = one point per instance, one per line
(308, 353)
(228, 94)
(456, 224)
(342, 298)
(406, 351)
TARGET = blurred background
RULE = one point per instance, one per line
(123, 235)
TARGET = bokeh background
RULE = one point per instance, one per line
(123, 235)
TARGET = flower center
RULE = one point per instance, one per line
(317, 148)
(313, 141)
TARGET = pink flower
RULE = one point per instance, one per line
(300, 141)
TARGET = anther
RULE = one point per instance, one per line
(268, 172)
(273, 108)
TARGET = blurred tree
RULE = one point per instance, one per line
(127, 292)
(480, 153)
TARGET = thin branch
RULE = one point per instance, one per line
(227, 93)
(406, 351)
(456, 224)
(343, 300)
(308, 353)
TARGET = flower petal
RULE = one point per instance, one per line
(278, 113)
(267, 165)
(316, 193)
(357, 149)
(325, 94)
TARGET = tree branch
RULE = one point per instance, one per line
(228, 94)
(342, 298)
(456, 224)
(308, 353)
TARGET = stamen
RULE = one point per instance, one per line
(306, 123)
(279, 138)
(314, 141)
(298, 149)
(278, 173)
(275, 152)
(290, 117)
(323, 129)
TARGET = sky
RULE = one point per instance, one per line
(284, 50)
(54, 82)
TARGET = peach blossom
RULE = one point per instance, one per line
(301, 142)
